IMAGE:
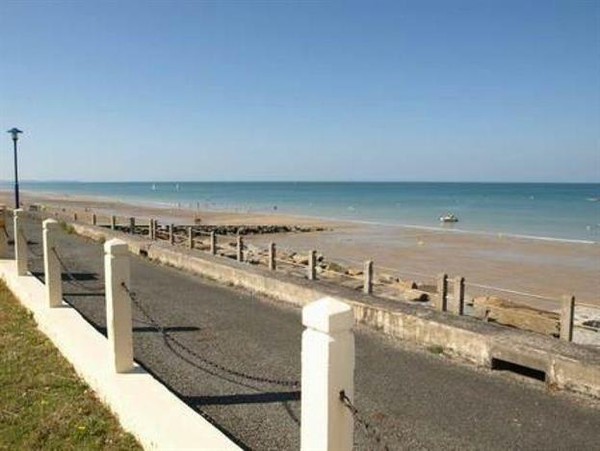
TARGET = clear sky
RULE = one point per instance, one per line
(333, 90)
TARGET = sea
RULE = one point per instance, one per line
(547, 211)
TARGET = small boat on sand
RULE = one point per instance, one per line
(449, 218)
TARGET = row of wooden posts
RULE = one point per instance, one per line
(440, 300)
(328, 356)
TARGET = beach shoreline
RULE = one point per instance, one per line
(545, 268)
(110, 205)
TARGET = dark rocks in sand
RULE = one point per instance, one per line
(412, 295)
(200, 229)
(253, 229)
(593, 323)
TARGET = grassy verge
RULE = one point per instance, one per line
(43, 403)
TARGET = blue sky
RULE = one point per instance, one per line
(338, 90)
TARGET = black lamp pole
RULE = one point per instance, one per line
(15, 137)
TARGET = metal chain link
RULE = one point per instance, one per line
(167, 336)
(370, 430)
(35, 254)
(149, 318)
(72, 278)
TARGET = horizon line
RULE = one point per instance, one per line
(150, 181)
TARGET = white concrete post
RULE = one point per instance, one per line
(459, 295)
(567, 313)
(118, 305)
(368, 275)
(113, 222)
(52, 272)
(213, 243)
(272, 257)
(190, 237)
(312, 265)
(21, 255)
(240, 248)
(442, 293)
(327, 369)
(172, 233)
(3, 233)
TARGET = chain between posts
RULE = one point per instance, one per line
(168, 337)
(370, 430)
(72, 278)
(30, 247)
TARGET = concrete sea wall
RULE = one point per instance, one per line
(565, 365)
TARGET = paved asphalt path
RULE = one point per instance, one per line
(416, 399)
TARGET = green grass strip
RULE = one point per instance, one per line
(43, 403)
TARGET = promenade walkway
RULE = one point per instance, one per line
(416, 399)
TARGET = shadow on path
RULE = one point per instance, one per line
(246, 398)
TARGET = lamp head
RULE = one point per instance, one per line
(15, 133)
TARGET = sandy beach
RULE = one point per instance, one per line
(548, 269)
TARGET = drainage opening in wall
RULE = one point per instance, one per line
(526, 371)
(143, 253)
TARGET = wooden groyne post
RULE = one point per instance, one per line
(190, 231)
(567, 314)
(152, 229)
(213, 243)
(312, 265)
(272, 256)
(240, 249)
(368, 276)
(459, 295)
(442, 293)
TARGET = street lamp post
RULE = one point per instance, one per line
(15, 137)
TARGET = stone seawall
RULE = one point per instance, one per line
(565, 365)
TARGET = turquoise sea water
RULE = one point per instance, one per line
(558, 211)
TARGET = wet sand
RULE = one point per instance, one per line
(544, 268)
